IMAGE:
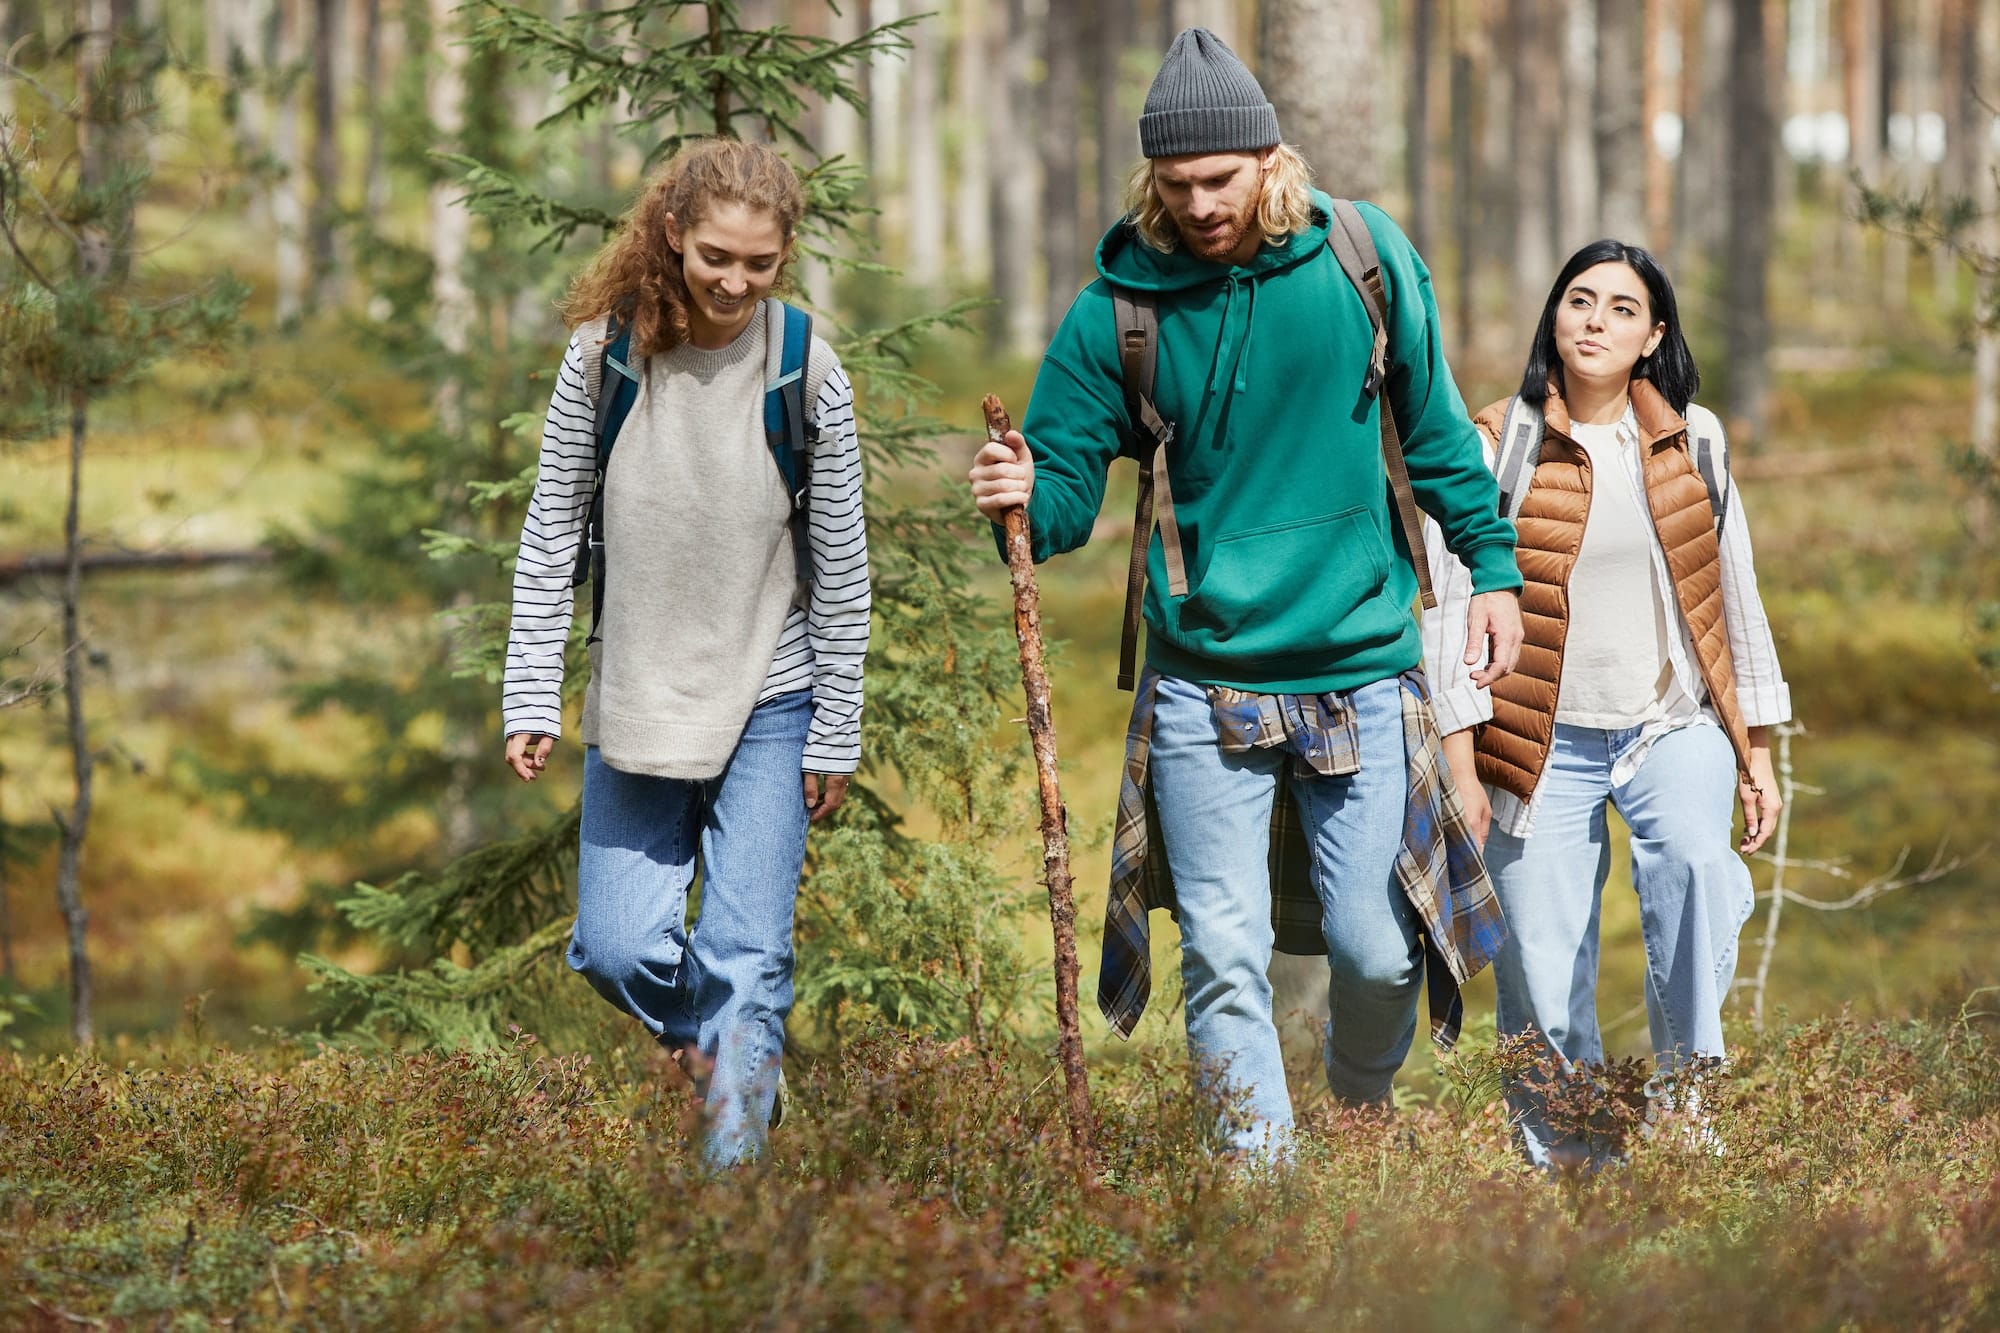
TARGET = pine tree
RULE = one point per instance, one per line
(81, 318)
(918, 930)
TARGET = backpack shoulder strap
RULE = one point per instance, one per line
(1710, 459)
(612, 402)
(1138, 327)
(1520, 450)
(787, 344)
(1354, 247)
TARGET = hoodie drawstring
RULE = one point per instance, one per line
(1235, 370)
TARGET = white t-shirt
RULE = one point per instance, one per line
(1615, 666)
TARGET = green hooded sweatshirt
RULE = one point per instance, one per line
(1298, 579)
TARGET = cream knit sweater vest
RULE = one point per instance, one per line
(700, 574)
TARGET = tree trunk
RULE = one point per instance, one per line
(1658, 179)
(1061, 106)
(450, 221)
(1619, 125)
(75, 825)
(925, 189)
(1013, 184)
(1750, 201)
(327, 278)
(1417, 126)
(1465, 191)
(288, 216)
(1983, 59)
(1534, 52)
(884, 126)
(1116, 136)
(1320, 62)
(971, 103)
(1576, 139)
(1900, 167)
(375, 187)
(1706, 135)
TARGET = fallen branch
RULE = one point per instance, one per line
(15, 568)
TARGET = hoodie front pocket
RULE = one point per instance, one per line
(1296, 587)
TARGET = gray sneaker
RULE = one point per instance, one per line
(778, 1101)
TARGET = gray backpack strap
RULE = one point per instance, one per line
(1354, 247)
(1706, 463)
(1520, 450)
(1138, 361)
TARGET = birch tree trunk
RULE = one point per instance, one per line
(328, 281)
(925, 186)
(971, 211)
(1750, 203)
(1622, 147)
(1014, 186)
(450, 221)
(1320, 64)
(288, 212)
(1062, 174)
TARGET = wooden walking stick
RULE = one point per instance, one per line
(1055, 820)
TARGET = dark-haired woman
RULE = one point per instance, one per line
(724, 705)
(1648, 680)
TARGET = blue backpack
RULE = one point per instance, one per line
(786, 430)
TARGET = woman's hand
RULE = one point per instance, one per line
(1458, 756)
(1003, 476)
(1759, 794)
(824, 792)
(528, 754)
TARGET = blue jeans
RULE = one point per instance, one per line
(1694, 896)
(724, 989)
(1215, 818)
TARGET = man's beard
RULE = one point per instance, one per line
(1221, 246)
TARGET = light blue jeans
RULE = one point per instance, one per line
(1215, 818)
(724, 989)
(1694, 896)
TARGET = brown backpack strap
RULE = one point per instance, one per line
(1354, 247)
(1138, 361)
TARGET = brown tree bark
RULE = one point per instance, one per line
(1115, 135)
(1622, 146)
(1533, 44)
(1417, 126)
(1576, 142)
(1320, 63)
(1055, 818)
(1752, 145)
(1659, 177)
(1465, 185)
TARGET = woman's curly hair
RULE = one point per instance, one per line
(639, 274)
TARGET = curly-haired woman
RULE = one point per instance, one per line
(1648, 679)
(724, 705)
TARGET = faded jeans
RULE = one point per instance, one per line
(1215, 818)
(724, 989)
(1694, 896)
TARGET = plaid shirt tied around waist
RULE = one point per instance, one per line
(1439, 866)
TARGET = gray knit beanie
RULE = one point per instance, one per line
(1203, 100)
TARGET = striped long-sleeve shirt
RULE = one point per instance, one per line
(825, 639)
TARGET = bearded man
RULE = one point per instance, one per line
(1282, 656)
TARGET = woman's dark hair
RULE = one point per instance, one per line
(1670, 366)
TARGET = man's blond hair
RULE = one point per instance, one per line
(1284, 206)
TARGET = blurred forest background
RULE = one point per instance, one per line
(247, 660)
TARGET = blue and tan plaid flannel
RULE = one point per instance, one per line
(1439, 866)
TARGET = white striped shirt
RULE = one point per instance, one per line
(825, 640)
(1761, 692)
